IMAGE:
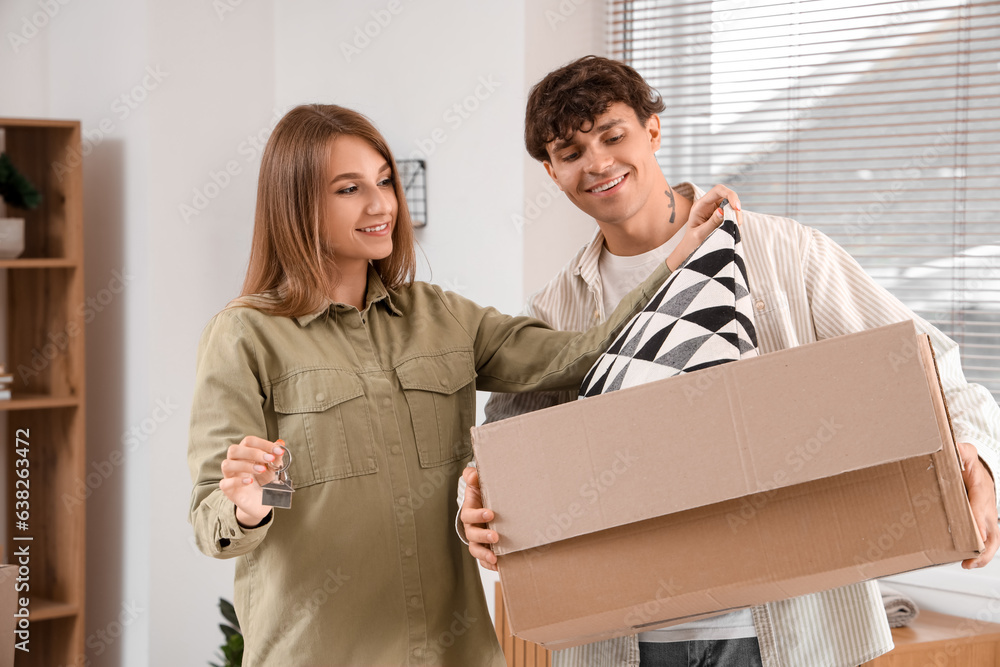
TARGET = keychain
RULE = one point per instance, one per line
(279, 492)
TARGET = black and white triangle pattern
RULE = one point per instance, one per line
(702, 316)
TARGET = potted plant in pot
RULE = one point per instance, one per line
(18, 192)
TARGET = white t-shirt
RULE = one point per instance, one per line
(619, 276)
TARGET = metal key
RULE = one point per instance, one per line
(279, 492)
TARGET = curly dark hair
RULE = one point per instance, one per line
(571, 97)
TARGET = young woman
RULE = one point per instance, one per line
(334, 356)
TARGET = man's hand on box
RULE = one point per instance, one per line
(474, 518)
(982, 497)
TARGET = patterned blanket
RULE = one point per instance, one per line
(702, 316)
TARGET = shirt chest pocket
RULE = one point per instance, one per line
(323, 418)
(766, 303)
(777, 328)
(440, 391)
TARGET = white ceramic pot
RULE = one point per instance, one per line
(11, 237)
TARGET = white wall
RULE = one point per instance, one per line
(24, 67)
(558, 32)
(408, 78)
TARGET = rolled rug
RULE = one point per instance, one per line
(899, 607)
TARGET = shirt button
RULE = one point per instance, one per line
(320, 396)
(408, 553)
(414, 601)
(396, 449)
(759, 304)
(401, 500)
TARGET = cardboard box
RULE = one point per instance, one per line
(759, 480)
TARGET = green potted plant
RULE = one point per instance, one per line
(232, 649)
(18, 192)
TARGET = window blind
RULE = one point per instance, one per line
(876, 122)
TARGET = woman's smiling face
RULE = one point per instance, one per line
(360, 204)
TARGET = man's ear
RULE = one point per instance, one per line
(653, 127)
(552, 174)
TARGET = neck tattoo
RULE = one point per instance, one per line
(673, 210)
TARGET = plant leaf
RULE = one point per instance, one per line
(229, 612)
(15, 189)
(234, 651)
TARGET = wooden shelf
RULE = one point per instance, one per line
(45, 327)
(40, 123)
(43, 609)
(38, 402)
(38, 263)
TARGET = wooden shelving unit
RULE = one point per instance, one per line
(44, 322)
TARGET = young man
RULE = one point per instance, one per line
(593, 124)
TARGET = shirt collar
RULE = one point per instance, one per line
(587, 266)
(377, 292)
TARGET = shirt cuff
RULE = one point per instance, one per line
(230, 536)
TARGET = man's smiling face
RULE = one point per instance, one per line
(610, 170)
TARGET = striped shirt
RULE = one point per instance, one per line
(805, 288)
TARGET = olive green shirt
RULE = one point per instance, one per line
(375, 407)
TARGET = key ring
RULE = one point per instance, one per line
(288, 462)
(278, 493)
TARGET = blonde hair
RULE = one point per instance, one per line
(288, 259)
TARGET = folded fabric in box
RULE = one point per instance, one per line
(699, 318)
